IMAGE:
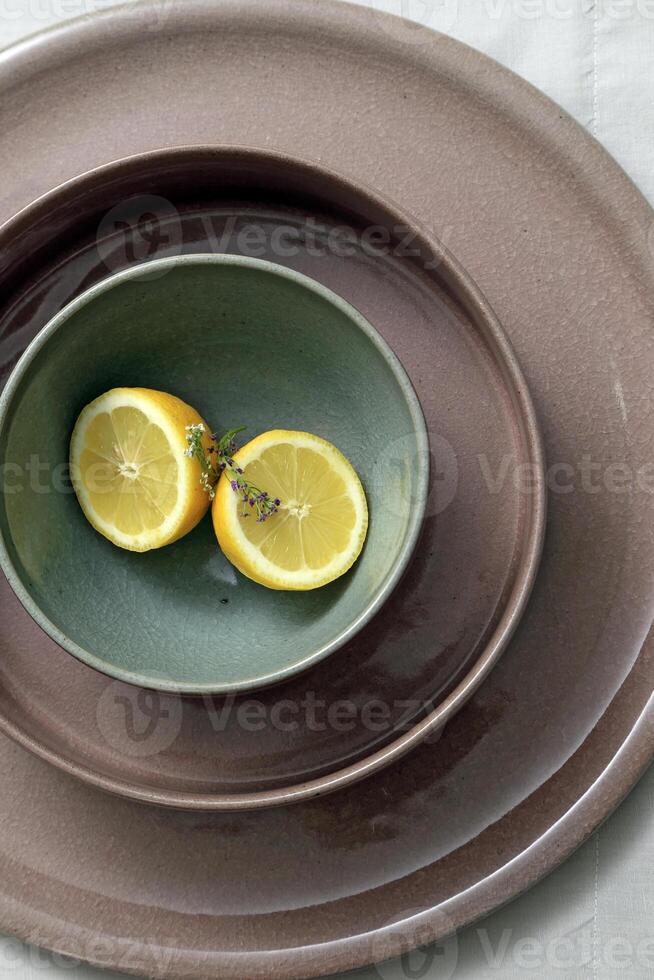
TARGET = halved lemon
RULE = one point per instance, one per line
(128, 467)
(319, 530)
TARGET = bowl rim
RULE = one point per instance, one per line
(416, 511)
(470, 296)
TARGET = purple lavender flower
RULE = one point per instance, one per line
(218, 459)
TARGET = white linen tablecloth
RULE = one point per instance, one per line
(593, 918)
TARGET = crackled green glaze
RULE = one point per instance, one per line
(245, 342)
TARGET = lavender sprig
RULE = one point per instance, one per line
(218, 460)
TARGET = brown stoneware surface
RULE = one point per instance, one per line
(450, 618)
(557, 238)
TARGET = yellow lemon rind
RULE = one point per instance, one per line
(247, 558)
(172, 415)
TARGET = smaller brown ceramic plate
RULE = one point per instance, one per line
(445, 626)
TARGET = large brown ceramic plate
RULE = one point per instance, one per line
(558, 240)
(443, 629)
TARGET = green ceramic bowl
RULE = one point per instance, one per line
(245, 342)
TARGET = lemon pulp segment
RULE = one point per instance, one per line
(129, 471)
(320, 527)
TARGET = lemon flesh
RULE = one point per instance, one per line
(319, 530)
(129, 471)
